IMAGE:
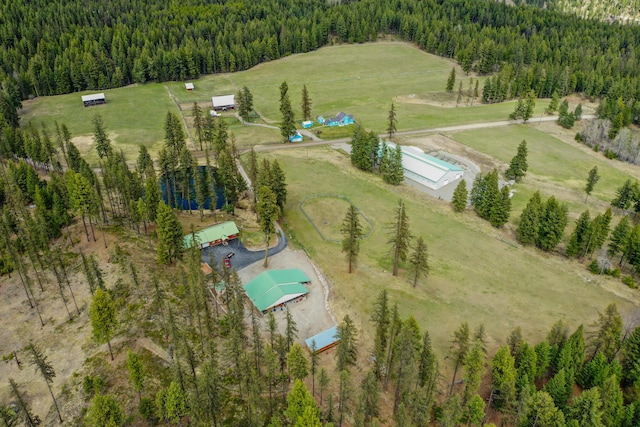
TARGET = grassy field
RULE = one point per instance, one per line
(362, 80)
(327, 212)
(550, 159)
(475, 277)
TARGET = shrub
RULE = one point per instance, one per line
(594, 267)
(614, 273)
(628, 280)
(609, 154)
(578, 137)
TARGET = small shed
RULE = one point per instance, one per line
(94, 99)
(189, 87)
(323, 341)
(215, 235)
(341, 119)
(307, 124)
(275, 288)
(224, 102)
(206, 268)
(296, 138)
(321, 120)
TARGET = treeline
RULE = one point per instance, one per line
(50, 49)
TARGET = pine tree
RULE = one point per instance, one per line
(586, 409)
(553, 105)
(475, 366)
(460, 196)
(527, 230)
(518, 166)
(382, 319)
(592, 180)
(351, 234)
(344, 395)
(552, 224)
(451, 80)
(104, 319)
(392, 121)
(136, 372)
(625, 195)
(578, 240)
(198, 124)
(298, 363)
(459, 350)
(619, 237)
(399, 236)
(105, 411)
(501, 209)
(369, 398)
(606, 337)
(347, 335)
(42, 365)
(503, 374)
(170, 239)
(279, 185)
(268, 212)
(419, 261)
(306, 104)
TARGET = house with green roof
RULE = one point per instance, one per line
(276, 287)
(218, 234)
(427, 170)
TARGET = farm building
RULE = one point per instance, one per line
(307, 124)
(341, 119)
(323, 341)
(427, 170)
(189, 87)
(296, 138)
(321, 120)
(224, 102)
(214, 235)
(276, 287)
(94, 99)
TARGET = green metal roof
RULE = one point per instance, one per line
(213, 233)
(275, 287)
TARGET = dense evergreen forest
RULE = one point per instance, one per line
(53, 48)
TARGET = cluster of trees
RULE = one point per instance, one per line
(589, 235)
(399, 242)
(288, 122)
(489, 201)
(624, 145)
(369, 155)
(524, 107)
(542, 223)
(244, 103)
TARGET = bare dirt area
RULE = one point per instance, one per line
(312, 314)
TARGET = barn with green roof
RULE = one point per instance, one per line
(275, 287)
(218, 234)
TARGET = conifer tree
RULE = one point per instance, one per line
(553, 105)
(268, 212)
(306, 104)
(42, 365)
(606, 337)
(392, 121)
(451, 80)
(345, 392)
(419, 261)
(592, 180)
(347, 353)
(136, 372)
(527, 230)
(578, 240)
(24, 411)
(198, 124)
(499, 214)
(475, 366)
(553, 221)
(381, 317)
(298, 363)
(391, 166)
(399, 236)
(459, 350)
(460, 196)
(625, 195)
(503, 374)
(619, 237)
(369, 398)
(518, 166)
(287, 124)
(279, 185)
(351, 234)
(170, 239)
(104, 319)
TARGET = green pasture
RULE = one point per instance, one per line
(475, 277)
(133, 116)
(549, 158)
(327, 213)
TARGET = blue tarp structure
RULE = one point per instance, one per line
(324, 340)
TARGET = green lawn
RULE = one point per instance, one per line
(475, 277)
(550, 159)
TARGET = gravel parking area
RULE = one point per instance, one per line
(311, 315)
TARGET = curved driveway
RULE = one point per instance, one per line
(242, 256)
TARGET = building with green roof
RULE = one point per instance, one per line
(218, 234)
(275, 287)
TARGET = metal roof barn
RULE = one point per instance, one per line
(323, 341)
(425, 169)
(214, 235)
(273, 288)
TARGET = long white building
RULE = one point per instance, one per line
(425, 169)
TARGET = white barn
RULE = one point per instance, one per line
(224, 102)
(427, 170)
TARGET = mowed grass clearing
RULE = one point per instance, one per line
(327, 213)
(549, 158)
(475, 277)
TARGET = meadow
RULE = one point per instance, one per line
(475, 276)
(363, 80)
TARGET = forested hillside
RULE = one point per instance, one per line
(626, 11)
(53, 48)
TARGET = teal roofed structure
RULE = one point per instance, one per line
(215, 235)
(323, 341)
(273, 288)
